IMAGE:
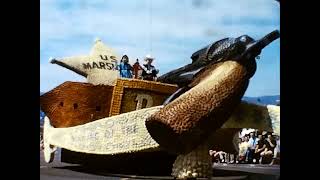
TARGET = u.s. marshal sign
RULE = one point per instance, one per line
(99, 66)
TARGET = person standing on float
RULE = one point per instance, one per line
(149, 71)
(137, 70)
(125, 68)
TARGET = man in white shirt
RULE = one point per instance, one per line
(253, 141)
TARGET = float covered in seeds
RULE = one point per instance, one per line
(175, 120)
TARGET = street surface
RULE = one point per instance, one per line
(63, 171)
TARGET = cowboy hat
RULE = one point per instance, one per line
(148, 56)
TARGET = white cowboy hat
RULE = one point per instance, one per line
(148, 56)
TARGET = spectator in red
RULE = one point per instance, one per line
(243, 149)
(137, 69)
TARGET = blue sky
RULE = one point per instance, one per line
(170, 30)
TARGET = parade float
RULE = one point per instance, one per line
(168, 124)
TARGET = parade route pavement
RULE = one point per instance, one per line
(63, 171)
(250, 168)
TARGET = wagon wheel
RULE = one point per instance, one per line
(49, 149)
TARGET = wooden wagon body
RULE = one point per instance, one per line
(75, 103)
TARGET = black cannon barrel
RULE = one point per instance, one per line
(255, 48)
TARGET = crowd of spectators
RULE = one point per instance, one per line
(254, 148)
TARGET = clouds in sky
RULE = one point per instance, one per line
(171, 30)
